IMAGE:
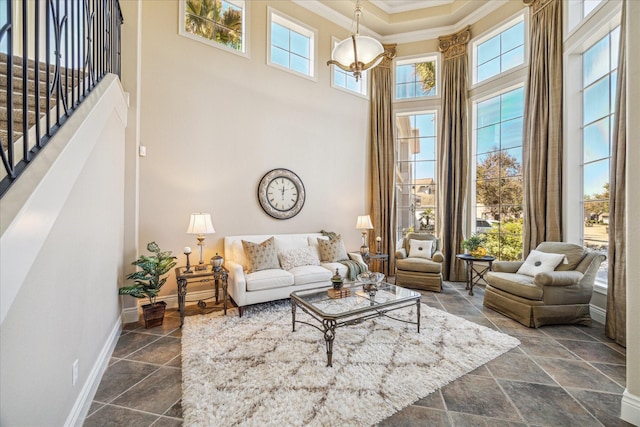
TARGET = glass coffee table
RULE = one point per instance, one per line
(361, 305)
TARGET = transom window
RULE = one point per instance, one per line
(220, 23)
(498, 128)
(578, 10)
(599, 74)
(416, 78)
(416, 169)
(344, 80)
(291, 45)
(500, 51)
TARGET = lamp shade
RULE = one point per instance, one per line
(366, 49)
(200, 223)
(364, 222)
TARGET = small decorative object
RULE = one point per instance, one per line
(364, 223)
(474, 245)
(342, 293)
(370, 281)
(187, 252)
(281, 193)
(378, 244)
(216, 262)
(148, 281)
(200, 224)
(337, 281)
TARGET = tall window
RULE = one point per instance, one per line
(220, 23)
(599, 75)
(292, 45)
(498, 172)
(344, 80)
(416, 172)
(416, 78)
(578, 10)
(501, 51)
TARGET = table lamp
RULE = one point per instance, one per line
(200, 224)
(364, 224)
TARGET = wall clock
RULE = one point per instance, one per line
(281, 193)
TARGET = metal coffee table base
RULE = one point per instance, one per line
(329, 325)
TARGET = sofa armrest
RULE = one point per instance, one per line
(438, 256)
(557, 278)
(506, 266)
(236, 282)
(401, 253)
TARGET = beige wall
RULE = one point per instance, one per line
(67, 306)
(214, 123)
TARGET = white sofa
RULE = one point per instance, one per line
(274, 284)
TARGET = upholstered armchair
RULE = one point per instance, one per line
(419, 262)
(558, 295)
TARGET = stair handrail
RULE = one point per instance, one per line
(82, 40)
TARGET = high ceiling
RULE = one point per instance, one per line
(404, 20)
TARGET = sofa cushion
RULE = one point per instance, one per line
(310, 274)
(298, 257)
(418, 264)
(420, 248)
(287, 243)
(540, 262)
(515, 284)
(332, 250)
(261, 256)
(268, 279)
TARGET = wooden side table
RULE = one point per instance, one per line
(201, 276)
(474, 276)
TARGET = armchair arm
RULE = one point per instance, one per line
(557, 278)
(437, 257)
(236, 282)
(506, 266)
(401, 253)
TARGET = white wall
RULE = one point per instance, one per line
(65, 305)
(214, 123)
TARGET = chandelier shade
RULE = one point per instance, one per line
(357, 53)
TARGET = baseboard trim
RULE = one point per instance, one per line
(83, 402)
(598, 314)
(630, 408)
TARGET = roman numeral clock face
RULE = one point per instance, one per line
(281, 193)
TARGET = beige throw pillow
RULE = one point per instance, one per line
(298, 258)
(540, 262)
(261, 256)
(420, 248)
(332, 250)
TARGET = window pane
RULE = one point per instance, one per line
(404, 73)
(596, 101)
(299, 64)
(279, 36)
(427, 149)
(489, 50)
(511, 133)
(596, 140)
(425, 124)
(615, 49)
(300, 44)
(489, 112)
(614, 88)
(488, 139)
(339, 77)
(512, 104)
(280, 57)
(595, 175)
(489, 69)
(596, 61)
(589, 5)
(513, 37)
(512, 58)
(511, 162)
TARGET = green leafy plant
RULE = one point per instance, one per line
(149, 280)
(474, 242)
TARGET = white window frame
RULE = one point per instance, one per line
(575, 16)
(274, 16)
(364, 77)
(510, 22)
(244, 52)
(414, 59)
(601, 21)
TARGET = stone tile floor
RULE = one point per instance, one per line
(559, 376)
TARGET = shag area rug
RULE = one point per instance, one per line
(254, 371)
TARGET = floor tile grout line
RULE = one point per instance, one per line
(131, 409)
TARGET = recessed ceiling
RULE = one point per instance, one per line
(396, 6)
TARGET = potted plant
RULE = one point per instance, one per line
(148, 281)
(474, 245)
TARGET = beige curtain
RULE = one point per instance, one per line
(615, 325)
(453, 152)
(383, 158)
(543, 127)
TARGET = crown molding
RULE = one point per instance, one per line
(406, 6)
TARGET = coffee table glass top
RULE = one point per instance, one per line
(359, 300)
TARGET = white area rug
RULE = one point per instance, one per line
(255, 371)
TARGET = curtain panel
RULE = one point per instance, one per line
(542, 151)
(453, 152)
(615, 324)
(382, 170)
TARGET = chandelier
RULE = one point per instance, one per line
(357, 53)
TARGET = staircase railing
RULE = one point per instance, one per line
(56, 52)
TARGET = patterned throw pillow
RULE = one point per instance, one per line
(297, 258)
(420, 248)
(261, 256)
(332, 250)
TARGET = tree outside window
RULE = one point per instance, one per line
(215, 20)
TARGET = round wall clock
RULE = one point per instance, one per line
(281, 193)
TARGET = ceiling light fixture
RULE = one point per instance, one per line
(357, 53)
